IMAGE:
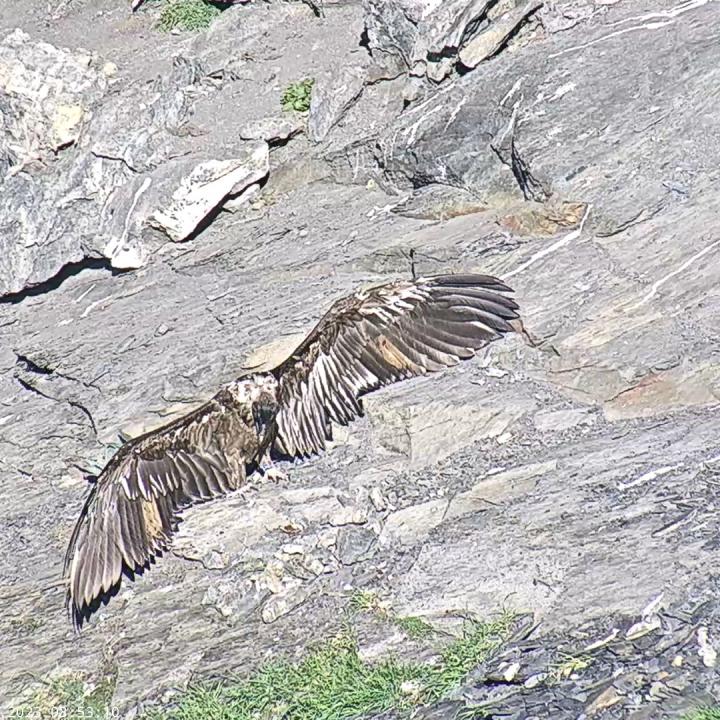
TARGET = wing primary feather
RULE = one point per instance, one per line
(318, 414)
(494, 322)
(341, 389)
(468, 330)
(419, 338)
(336, 398)
(129, 535)
(442, 352)
(211, 481)
(385, 374)
(456, 342)
(492, 302)
(326, 394)
(488, 305)
(461, 280)
(422, 363)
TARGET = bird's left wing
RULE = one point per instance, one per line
(376, 337)
(134, 506)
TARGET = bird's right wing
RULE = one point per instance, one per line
(376, 337)
(134, 506)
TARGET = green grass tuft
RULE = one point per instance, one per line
(297, 96)
(335, 683)
(363, 600)
(709, 713)
(190, 15)
(414, 627)
(464, 654)
(69, 697)
(368, 601)
(472, 713)
(331, 683)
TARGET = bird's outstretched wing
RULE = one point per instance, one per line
(376, 337)
(134, 506)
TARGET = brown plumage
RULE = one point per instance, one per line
(366, 340)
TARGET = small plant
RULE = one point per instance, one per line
(465, 653)
(569, 666)
(69, 697)
(368, 601)
(414, 627)
(364, 600)
(190, 15)
(708, 713)
(297, 96)
(472, 713)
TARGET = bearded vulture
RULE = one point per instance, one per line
(366, 340)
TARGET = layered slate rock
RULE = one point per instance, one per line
(93, 200)
(437, 39)
(571, 474)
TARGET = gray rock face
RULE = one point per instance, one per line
(570, 474)
(272, 129)
(468, 413)
(392, 26)
(490, 42)
(46, 96)
(94, 200)
(206, 186)
(518, 120)
(433, 38)
(331, 97)
(355, 544)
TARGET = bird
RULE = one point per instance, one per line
(368, 339)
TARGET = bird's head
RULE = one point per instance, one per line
(259, 392)
(264, 401)
(263, 384)
(251, 389)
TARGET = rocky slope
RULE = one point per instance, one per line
(165, 224)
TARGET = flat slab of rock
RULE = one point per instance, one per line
(418, 426)
(332, 95)
(206, 187)
(488, 43)
(272, 129)
(413, 524)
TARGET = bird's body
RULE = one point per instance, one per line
(366, 340)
